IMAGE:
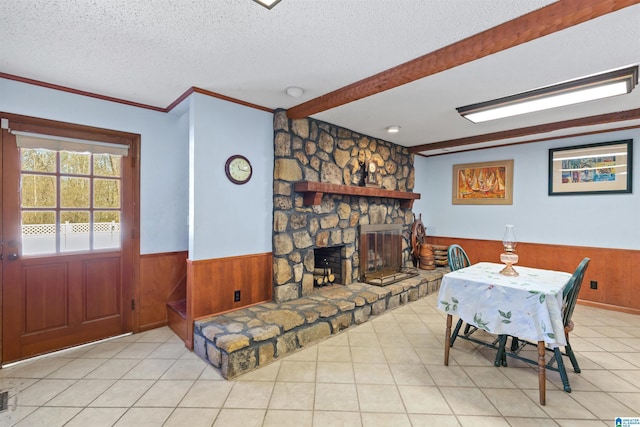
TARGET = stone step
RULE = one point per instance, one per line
(240, 341)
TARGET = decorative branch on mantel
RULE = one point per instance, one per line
(313, 192)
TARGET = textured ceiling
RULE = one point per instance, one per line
(151, 52)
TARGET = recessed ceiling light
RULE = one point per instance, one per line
(295, 91)
(599, 86)
(267, 3)
(393, 129)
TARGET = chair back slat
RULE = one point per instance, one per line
(572, 289)
(457, 257)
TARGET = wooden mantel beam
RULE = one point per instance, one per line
(313, 192)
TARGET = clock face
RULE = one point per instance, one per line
(238, 169)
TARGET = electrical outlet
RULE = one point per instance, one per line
(594, 284)
(236, 296)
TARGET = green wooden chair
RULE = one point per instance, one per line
(458, 259)
(570, 296)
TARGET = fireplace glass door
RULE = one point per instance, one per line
(381, 254)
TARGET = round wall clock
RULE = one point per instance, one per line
(238, 169)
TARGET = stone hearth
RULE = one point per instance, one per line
(249, 338)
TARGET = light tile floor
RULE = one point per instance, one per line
(386, 372)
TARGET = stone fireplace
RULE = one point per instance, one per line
(311, 151)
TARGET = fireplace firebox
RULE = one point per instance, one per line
(328, 265)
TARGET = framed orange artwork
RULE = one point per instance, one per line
(486, 183)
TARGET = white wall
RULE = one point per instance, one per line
(608, 220)
(228, 219)
(164, 153)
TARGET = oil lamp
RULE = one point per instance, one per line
(509, 256)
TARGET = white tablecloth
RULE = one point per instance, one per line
(528, 306)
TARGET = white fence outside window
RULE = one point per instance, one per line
(41, 238)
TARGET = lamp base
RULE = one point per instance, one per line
(509, 258)
(509, 271)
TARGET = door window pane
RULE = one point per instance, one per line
(106, 164)
(106, 193)
(73, 163)
(38, 160)
(106, 225)
(38, 191)
(38, 232)
(74, 192)
(74, 231)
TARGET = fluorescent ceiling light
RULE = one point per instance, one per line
(267, 3)
(393, 129)
(573, 92)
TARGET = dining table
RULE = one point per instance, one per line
(528, 306)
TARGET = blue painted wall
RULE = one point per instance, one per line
(226, 219)
(608, 221)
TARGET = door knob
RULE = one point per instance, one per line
(12, 245)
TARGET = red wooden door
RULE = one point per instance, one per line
(66, 258)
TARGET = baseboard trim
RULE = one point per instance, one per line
(609, 307)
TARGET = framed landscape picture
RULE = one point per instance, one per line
(487, 183)
(591, 169)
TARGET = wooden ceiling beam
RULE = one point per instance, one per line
(547, 20)
(620, 116)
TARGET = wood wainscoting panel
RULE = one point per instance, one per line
(613, 269)
(211, 283)
(159, 274)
